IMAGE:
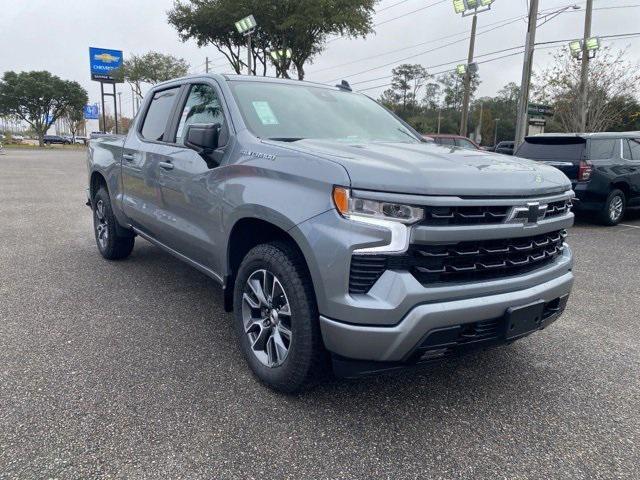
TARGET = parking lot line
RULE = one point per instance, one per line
(627, 225)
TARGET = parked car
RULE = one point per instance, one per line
(80, 140)
(56, 139)
(94, 135)
(17, 138)
(506, 148)
(453, 140)
(339, 237)
(604, 169)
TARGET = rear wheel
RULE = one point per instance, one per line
(614, 208)
(276, 318)
(111, 242)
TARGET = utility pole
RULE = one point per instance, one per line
(467, 79)
(495, 136)
(584, 73)
(523, 104)
(439, 118)
(206, 65)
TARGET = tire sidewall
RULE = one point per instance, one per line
(289, 375)
(111, 223)
(606, 216)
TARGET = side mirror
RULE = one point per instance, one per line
(203, 137)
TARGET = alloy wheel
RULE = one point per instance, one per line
(102, 225)
(266, 316)
(616, 208)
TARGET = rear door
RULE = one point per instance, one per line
(143, 160)
(564, 153)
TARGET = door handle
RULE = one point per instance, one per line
(166, 165)
(128, 157)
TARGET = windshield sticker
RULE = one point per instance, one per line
(264, 112)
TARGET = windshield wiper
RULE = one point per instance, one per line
(285, 139)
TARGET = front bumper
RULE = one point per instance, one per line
(401, 342)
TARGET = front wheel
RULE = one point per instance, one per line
(112, 244)
(276, 318)
(614, 208)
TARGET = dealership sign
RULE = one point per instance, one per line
(538, 109)
(91, 112)
(103, 62)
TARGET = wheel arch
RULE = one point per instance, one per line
(96, 181)
(248, 232)
(623, 186)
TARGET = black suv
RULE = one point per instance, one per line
(604, 169)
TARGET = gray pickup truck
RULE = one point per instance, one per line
(341, 239)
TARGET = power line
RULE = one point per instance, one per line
(421, 53)
(395, 18)
(484, 29)
(547, 45)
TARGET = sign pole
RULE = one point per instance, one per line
(115, 106)
(104, 116)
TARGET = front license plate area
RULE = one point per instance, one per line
(523, 320)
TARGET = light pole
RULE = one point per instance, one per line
(246, 27)
(584, 71)
(466, 8)
(525, 85)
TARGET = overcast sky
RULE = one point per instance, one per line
(56, 35)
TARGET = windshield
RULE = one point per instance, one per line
(289, 112)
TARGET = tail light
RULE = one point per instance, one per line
(584, 171)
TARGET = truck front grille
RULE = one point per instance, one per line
(445, 216)
(484, 215)
(460, 262)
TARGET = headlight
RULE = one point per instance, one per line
(349, 207)
(394, 217)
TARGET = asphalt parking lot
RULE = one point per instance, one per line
(130, 370)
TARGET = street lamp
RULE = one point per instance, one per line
(577, 47)
(246, 27)
(465, 8)
(471, 7)
(279, 57)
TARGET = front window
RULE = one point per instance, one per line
(289, 112)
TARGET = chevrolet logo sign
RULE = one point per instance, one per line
(106, 58)
(530, 214)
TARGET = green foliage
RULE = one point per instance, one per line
(301, 25)
(152, 67)
(39, 98)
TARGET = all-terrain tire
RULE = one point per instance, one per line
(306, 359)
(113, 243)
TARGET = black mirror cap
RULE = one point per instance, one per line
(203, 137)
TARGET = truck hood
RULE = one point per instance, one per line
(430, 169)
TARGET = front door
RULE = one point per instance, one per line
(189, 190)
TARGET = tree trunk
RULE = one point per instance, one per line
(300, 69)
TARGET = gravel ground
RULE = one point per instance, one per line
(130, 370)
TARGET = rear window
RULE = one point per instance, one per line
(602, 148)
(568, 149)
